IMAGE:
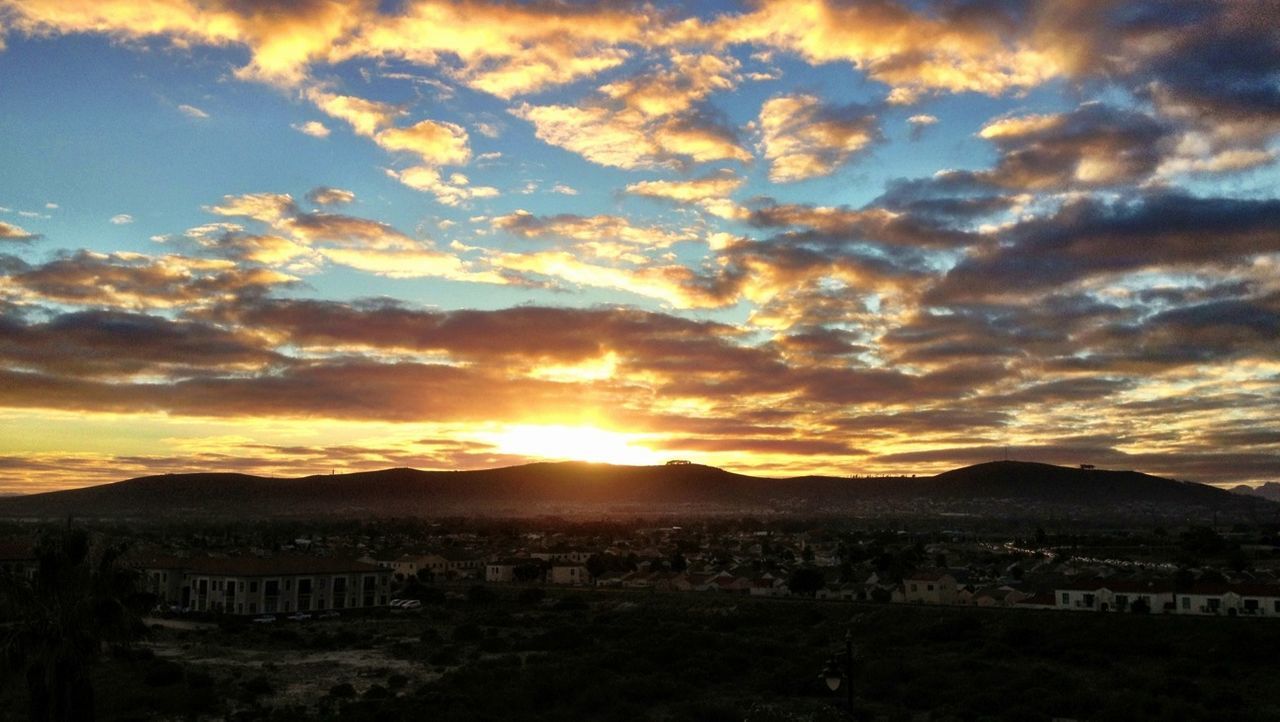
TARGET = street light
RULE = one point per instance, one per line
(839, 670)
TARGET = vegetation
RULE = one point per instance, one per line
(653, 656)
(79, 601)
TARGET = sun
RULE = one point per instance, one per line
(572, 443)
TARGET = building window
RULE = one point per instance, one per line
(253, 586)
(1186, 602)
(1066, 599)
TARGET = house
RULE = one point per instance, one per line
(1082, 596)
(1120, 595)
(560, 554)
(1140, 596)
(502, 571)
(930, 587)
(1208, 599)
(163, 576)
(769, 586)
(1258, 600)
(997, 597)
(1039, 600)
(258, 585)
(570, 574)
(447, 564)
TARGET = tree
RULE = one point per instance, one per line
(678, 562)
(532, 571)
(79, 600)
(806, 581)
(597, 565)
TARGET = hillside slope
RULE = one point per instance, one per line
(544, 488)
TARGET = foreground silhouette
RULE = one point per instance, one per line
(79, 599)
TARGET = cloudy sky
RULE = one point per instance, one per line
(780, 237)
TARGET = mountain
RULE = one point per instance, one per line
(549, 488)
(1269, 490)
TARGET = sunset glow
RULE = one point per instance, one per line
(780, 237)
(571, 443)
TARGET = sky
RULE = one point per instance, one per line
(783, 237)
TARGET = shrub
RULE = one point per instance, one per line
(532, 595)
(479, 594)
(255, 687)
(377, 691)
(467, 632)
(163, 673)
(342, 691)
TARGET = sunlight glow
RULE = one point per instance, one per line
(572, 443)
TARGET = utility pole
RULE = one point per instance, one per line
(848, 668)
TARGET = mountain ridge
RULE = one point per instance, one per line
(541, 487)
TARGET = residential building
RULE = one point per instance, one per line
(930, 587)
(267, 585)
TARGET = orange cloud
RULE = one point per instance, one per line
(801, 138)
(710, 192)
(647, 120)
(913, 53)
(134, 280)
(435, 142)
(365, 117)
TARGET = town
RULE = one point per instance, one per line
(1196, 570)
(471, 618)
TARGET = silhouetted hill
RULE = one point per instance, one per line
(1269, 490)
(547, 488)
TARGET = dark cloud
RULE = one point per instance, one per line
(836, 227)
(925, 422)
(1205, 333)
(1090, 237)
(94, 343)
(1049, 328)
(133, 280)
(349, 390)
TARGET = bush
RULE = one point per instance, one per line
(199, 680)
(163, 673)
(445, 656)
(431, 595)
(377, 691)
(479, 594)
(532, 595)
(572, 603)
(342, 691)
(255, 687)
(467, 632)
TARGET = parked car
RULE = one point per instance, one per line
(299, 616)
(331, 614)
(411, 604)
(264, 619)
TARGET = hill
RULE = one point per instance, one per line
(1269, 490)
(567, 487)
